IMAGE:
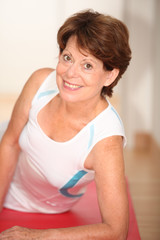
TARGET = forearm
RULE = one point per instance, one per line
(99, 231)
(8, 159)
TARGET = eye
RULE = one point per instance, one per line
(66, 58)
(88, 66)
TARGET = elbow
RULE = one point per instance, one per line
(115, 233)
(121, 236)
(120, 233)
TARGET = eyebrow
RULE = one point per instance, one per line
(87, 58)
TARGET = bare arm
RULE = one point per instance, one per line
(107, 160)
(9, 146)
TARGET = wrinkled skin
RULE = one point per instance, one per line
(22, 233)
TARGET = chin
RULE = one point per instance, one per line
(68, 97)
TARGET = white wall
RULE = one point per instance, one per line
(27, 40)
(139, 83)
(156, 62)
(28, 31)
(114, 7)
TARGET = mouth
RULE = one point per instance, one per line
(71, 86)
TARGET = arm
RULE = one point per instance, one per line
(107, 160)
(9, 146)
(111, 185)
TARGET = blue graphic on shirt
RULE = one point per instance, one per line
(91, 136)
(71, 183)
(117, 115)
(42, 94)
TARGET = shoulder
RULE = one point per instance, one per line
(21, 109)
(108, 138)
(106, 149)
(42, 72)
(31, 87)
(111, 117)
(107, 124)
(45, 82)
(40, 75)
(34, 82)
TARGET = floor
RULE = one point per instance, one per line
(143, 173)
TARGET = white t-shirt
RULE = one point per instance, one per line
(50, 176)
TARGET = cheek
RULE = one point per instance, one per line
(61, 68)
(58, 74)
(95, 81)
(100, 80)
(58, 68)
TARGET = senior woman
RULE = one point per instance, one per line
(64, 133)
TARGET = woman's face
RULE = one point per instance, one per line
(80, 76)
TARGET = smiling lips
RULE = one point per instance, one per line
(71, 86)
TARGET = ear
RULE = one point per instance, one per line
(111, 76)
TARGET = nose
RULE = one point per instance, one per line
(73, 70)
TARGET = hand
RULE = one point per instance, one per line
(21, 233)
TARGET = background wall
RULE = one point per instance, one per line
(156, 77)
(28, 31)
(140, 88)
(28, 41)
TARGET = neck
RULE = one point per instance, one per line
(83, 110)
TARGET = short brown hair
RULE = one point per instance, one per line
(103, 36)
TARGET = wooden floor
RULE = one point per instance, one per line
(143, 173)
